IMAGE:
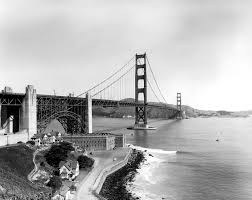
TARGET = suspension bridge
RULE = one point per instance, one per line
(133, 85)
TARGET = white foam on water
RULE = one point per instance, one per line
(160, 151)
(146, 174)
(144, 194)
(147, 169)
(151, 164)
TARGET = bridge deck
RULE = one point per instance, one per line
(17, 98)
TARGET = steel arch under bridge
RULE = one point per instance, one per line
(69, 111)
(70, 121)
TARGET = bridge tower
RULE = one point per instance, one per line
(179, 115)
(141, 107)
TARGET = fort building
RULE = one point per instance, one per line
(96, 141)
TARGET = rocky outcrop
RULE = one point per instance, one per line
(114, 186)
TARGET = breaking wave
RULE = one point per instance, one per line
(147, 174)
(159, 151)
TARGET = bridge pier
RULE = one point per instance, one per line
(88, 114)
(28, 112)
(0, 115)
(10, 124)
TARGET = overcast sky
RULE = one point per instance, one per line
(201, 48)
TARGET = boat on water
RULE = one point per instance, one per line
(142, 127)
(219, 134)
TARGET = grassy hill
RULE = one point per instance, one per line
(15, 164)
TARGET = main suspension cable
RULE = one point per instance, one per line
(108, 77)
(156, 81)
(115, 81)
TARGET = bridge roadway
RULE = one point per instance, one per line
(16, 99)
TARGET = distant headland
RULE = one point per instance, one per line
(122, 112)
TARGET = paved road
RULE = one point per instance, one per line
(102, 160)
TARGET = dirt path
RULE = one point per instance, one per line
(34, 171)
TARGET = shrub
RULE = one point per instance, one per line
(55, 183)
(73, 188)
(42, 164)
(85, 162)
(56, 172)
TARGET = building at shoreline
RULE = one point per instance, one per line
(96, 141)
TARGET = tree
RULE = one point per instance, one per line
(31, 142)
(73, 188)
(58, 153)
(55, 183)
(85, 162)
(66, 146)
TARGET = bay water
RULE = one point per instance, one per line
(191, 159)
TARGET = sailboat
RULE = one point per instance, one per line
(217, 140)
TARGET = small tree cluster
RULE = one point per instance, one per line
(85, 162)
(57, 153)
(55, 183)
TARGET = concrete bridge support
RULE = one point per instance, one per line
(7, 127)
(0, 114)
(28, 112)
(88, 115)
(10, 124)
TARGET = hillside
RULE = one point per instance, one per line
(121, 112)
(191, 112)
(15, 164)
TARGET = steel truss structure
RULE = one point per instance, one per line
(179, 107)
(141, 110)
(69, 111)
(11, 99)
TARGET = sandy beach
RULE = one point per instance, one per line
(103, 159)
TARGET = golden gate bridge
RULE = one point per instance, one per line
(133, 85)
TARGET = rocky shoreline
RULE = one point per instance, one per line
(114, 187)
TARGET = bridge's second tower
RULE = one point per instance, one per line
(179, 108)
(141, 89)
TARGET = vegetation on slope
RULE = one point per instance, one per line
(16, 162)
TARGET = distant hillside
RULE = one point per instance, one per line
(121, 112)
(191, 112)
(162, 113)
(248, 112)
(15, 164)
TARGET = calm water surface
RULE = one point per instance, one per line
(202, 168)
